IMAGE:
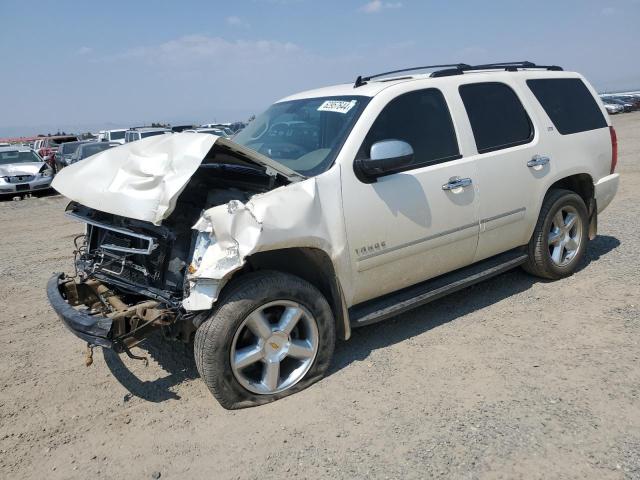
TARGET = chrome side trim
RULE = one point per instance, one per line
(151, 243)
(501, 215)
(419, 240)
(482, 224)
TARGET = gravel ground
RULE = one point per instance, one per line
(513, 378)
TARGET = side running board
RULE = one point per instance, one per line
(394, 303)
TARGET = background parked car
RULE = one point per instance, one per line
(629, 99)
(212, 131)
(23, 170)
(237, 126)
(220, 126)
(627, 107)
(47, 146)
(180, 128)
(116, 135)
(90, 148)
(62, 156)
(135, 134)
(613, 108)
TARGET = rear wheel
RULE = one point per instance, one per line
(560, 237)
(272, 335)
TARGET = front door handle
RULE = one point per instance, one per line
(456, 183)
(538, 161)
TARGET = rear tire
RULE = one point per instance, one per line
(271, 335)
(560, 237)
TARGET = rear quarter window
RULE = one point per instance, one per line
(568, 103)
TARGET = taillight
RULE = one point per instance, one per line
(614, 149)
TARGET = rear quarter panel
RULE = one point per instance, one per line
(579, 153)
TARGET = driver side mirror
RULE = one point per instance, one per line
(385, 157)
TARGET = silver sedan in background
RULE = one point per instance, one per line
(22, 170)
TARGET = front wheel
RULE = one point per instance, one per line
(560, 237)
(272, 334)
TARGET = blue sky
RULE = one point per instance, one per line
(86, 65)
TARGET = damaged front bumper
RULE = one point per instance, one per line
(93, 329)
(101, 317)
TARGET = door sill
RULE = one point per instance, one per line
(398, 302)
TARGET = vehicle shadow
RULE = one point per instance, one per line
(599, 246)
(422, 319)
(173, 357)
(177, 359)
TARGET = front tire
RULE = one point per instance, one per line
(560, 238)
(271, 335)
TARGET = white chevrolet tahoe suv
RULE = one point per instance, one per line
(335, 208)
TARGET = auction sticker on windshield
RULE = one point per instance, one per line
(338, 106)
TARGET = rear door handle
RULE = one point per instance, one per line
(457, 182)
(538, 161)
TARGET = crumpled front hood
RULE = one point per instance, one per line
(16, 169)
(143, 179)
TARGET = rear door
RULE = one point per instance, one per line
(405, 227)
(512, 163)
(576, 125)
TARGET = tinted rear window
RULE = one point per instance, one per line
(93, 148)
(569, 104)
(497, 117)
(68, 147)
(116, 135)
(152, 134)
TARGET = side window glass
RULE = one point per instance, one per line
(420, 118)
(497, 117)
(569, 104)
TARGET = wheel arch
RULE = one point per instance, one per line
(313, 265)
(581, 184)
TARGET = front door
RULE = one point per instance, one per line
(420, 222)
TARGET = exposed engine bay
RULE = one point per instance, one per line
(134, 272)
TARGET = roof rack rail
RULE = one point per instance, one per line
(508, 66)
(363, 80)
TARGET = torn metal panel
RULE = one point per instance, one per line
(143, 179)
(291, 216)
(140, 180)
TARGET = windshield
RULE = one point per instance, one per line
(304, 135)
(15, 156)
(116, 135)
(152, 134)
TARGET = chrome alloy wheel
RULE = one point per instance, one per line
(274, 347)
(565, 236)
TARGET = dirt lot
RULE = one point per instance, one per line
(513, 378)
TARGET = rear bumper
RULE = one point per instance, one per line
(93, 329)
(605, 190)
